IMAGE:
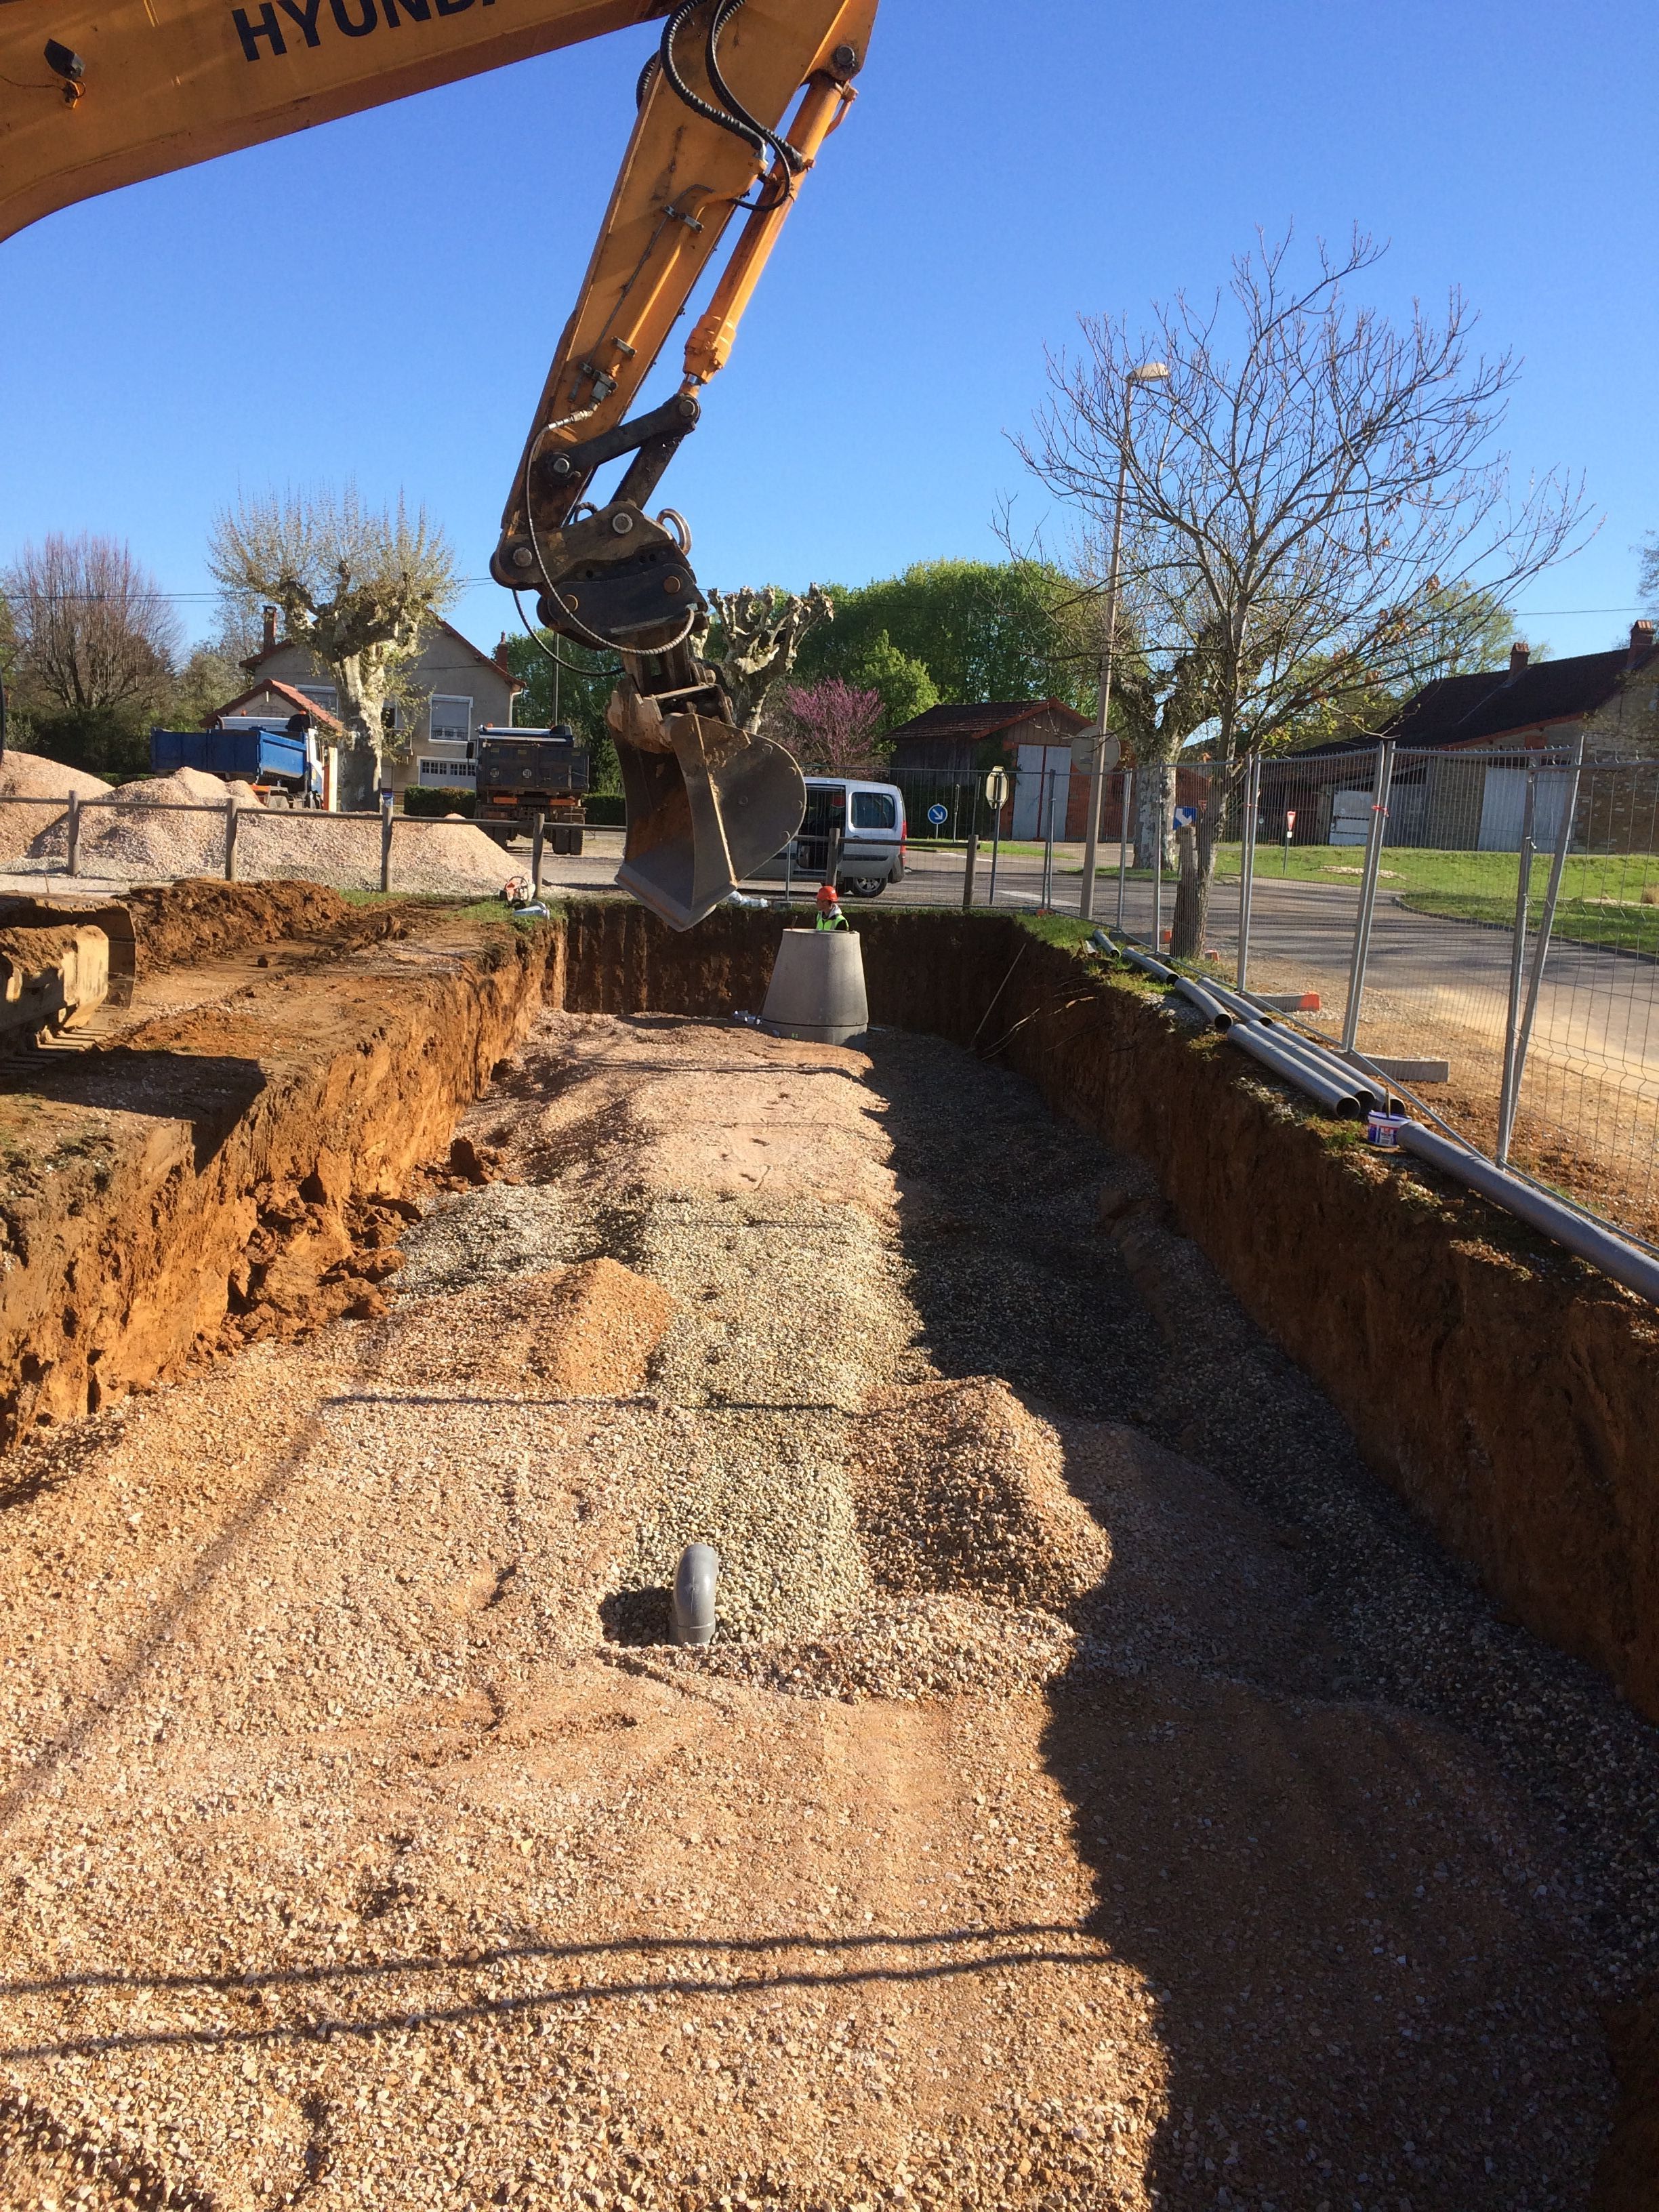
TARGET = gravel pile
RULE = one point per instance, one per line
(447, 858)
(959, 1488)
(31, 776)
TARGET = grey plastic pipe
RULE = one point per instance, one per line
(696, 1578)
(1637, 1270)
(1325, 1091)
(1218, 1017)
(1334, 1069)
(1146, 964)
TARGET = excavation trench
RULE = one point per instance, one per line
(1104, 1789)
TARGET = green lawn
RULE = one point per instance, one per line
(1632, 928)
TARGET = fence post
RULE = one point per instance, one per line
(1517, 956)
(967, 869)
(230, 837)
(1126, 801)
(388, 802)
(74, 834)
(537, 829)
(996, 848)
(1362, 931)
(1158, 862)
(1546, 924)
(1247, 865)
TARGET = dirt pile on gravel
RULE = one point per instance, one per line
(958, 1488)
(586, 1331)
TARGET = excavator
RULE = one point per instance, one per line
(97, 94)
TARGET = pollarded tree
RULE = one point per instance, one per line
(751, 639)
(356, 586)
(1303, 512)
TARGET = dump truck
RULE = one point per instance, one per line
(524, 773)
(272, 755)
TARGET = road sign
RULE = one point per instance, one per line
(996, 788)
(1110, 753)
(1185, 817)
(938, 814)
(1290, 820)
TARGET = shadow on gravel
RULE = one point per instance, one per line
(1331, 1899)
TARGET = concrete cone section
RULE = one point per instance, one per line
(816, 990)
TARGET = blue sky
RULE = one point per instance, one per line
(379, 297)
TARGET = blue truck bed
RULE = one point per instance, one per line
(254, 756)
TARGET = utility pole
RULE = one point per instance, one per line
(1149, 372)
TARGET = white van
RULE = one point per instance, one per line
(871, 819)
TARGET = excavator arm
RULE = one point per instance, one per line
(94, 94)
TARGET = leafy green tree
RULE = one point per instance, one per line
(904, 686)
(980, 629)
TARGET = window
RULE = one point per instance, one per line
(452, 720)
(447, 771)
(874, 810)
(320, 694)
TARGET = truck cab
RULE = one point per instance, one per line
(524, 773)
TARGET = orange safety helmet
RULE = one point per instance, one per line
(828, 895)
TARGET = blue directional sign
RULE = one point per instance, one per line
(1185, 817)
(936, 813)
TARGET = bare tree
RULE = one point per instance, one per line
(1304, 517)
(94, 632)
(752, 640)
(357, 586)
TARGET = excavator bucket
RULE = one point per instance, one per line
(706, 805)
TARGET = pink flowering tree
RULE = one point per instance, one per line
(833, 728)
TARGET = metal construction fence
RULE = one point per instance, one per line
(1484, 926)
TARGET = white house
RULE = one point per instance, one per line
(458, 687)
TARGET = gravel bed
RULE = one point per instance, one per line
(1100, 1791)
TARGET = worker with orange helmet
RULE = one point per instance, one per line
(830, 913)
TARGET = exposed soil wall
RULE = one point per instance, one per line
(227, 1173)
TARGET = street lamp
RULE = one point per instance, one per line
(1149, 372)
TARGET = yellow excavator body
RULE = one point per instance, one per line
(95, 94)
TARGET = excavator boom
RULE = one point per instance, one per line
(95, 94)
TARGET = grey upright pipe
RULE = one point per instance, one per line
(74, 834)
(1637, 1270)
(697, 1579)
(388, 802)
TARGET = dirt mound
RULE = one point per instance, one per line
(200, 918)
(919, 1651)
(958, 1488)
(586, 1331)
